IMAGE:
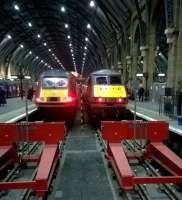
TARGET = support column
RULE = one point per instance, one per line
(144, 54)
(178, 83)
(151, 56)
(172, 52)
(2, 74)
(128, 65)
(134, 61)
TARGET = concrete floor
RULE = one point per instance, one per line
(82, 174)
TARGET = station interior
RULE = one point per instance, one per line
(90, 99)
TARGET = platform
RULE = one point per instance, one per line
(81, 174)
(150, 111)
(15, 110)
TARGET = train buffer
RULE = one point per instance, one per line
(50, 133)
(155, 132)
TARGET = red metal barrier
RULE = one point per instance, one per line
(50, 133)
(155, 132)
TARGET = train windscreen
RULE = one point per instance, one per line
(108, 80)
(101, 80)
(55, 82)
(115, 80)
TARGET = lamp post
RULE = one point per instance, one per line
(135, 87)
(21, 77)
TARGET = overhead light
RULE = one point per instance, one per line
(30, 52)
(161, 75)
(71, 50)
(21, 45)
(86, 39)
(41, 61)
(16, 7)
(49, 50)
(88, 26)
(84, 54)
(14, 77)
(85, 48)
(45, 44)
(68, 36)
(139, 75)
(92, 4)
(29, 24)
(63, 9)
(38, 35)
(27, 77)
(9, 36)
(66, 25)
(70, 45)
(36, 57)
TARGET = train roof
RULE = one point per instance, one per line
(55, 73)
(105, 72)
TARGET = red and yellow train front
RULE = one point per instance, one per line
(108, 94)
(56, 92)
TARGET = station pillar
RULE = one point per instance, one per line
(134, 61)
(144, 54)
(172, 52)
(179, 51)
(151, 57)
(128, 66)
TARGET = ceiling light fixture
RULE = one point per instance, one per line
(29, 24)
(21, 45)
(66, 25)
(63, 9)
(92, 4)
(86, 39)
(38, 35)
(88, 26)
(9, 36)
(16, 7)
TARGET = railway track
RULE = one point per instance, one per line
(21, 172)
(80, 134)
(145, 168)
(168, 189)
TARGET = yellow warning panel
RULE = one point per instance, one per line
(61, 93)
(109, 91)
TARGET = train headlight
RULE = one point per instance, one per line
(120, 100)
(70, 99)
(100, 100)
(40, 99)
